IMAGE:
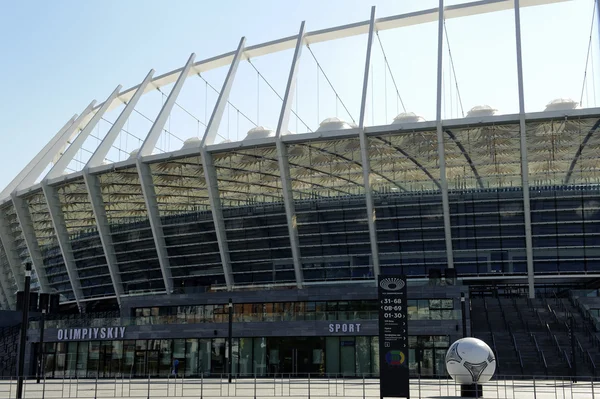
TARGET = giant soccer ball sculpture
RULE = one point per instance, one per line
(470, 361)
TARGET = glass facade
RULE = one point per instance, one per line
(421, 309)
(349, 356)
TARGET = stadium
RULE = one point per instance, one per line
(146, 243)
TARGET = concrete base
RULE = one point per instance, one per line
(471, 391)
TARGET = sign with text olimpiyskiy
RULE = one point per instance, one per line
(393, 337)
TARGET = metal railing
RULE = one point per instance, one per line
(514, 340)
(540, 353)
(310, 387)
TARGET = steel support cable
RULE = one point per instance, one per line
(337, 96)
(462, 111)
(587, 57)
(228, 102)
(185, 110)
(398, 96)
(278, 95)
(130, 134)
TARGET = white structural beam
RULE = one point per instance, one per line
(7, 289)
(92, 184)
(14, 261)
(440, 139)
(215, 119)
(100, 154)
(159, 123)
(3, 293)
(524, 160)
(149, 192)
(37, 261)
(284, 166)
(339, 32)
(364, 153)
(62, 163)
(53, 151)
(36, 160)
(62, 235)
(210, 176)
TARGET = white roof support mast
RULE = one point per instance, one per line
(61, 165)
(145, 175)
(36, 160)
(524, 160)
(58, 221)
(92, 184)
(440, 139)
(14, 261)
(37, 261)
(100, 154)
(284, 166)
(210, 173)
(364, 153)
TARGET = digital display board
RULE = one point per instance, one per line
(393, 337)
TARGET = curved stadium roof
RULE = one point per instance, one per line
(481, 152)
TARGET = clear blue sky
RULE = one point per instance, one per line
(58, 56)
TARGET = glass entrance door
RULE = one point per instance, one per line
(296, 356)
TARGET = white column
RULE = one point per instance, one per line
(440, 139)
(282, 158)
(98, 157)
(92, 183)
(165, 111)
(27, 169)
(524, 160)
(62, 163)
(37, 261)
(149, 192)
(62, 235)
(210, 176)
(215, 119)
(12, 256)
(364, 152)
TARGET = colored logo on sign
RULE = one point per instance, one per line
(395, 358)
(391, 284)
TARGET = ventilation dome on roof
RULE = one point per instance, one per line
(334, 124)
(134, 153)
(561, 104)
(192, 142)
(481, 110)
(407, 117)
(259, 132)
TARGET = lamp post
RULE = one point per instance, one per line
(41, 347)
(229, 341)
(23, 340)
(463, 307)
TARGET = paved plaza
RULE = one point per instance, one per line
(295, 388)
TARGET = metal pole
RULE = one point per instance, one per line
(229, 341)
(23, 341)
(573, 339)
(41, 351)
(463, 307)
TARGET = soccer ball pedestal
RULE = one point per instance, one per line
(471, 391)
(470, 362)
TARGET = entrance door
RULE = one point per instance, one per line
(152, 363)
(429, 362)
(296, 356)
(139, 364)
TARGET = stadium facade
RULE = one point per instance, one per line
(295, 228)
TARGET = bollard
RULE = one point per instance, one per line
(419, 382)
(308, 385)
(201, 384)
(254, 386)
(534, 393)
(95, 388)
(148, 385)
